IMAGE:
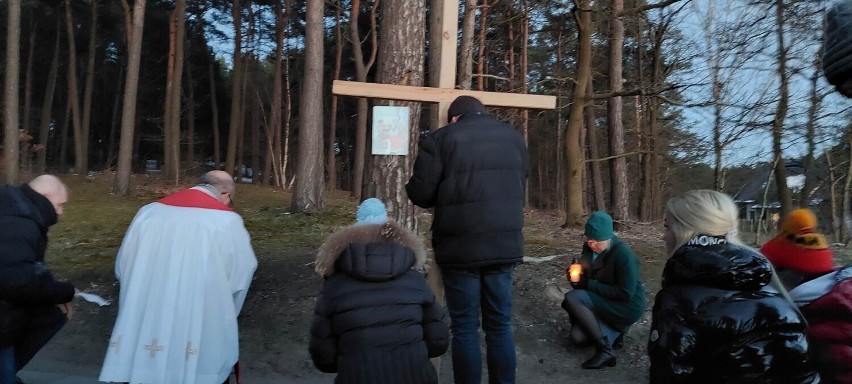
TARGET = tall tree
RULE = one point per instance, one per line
(308, 192)
(28, 81)
(135, 23)
(47, 102)
(85, 124)
(620, 192)
(332, 124)
(361, 70)
(10, 90)
(573, 149)
(466, 51)
(73, 92)
(172, 107)
(784, 196)
(401, 61)
(236, 91)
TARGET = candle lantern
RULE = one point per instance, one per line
(574, 271)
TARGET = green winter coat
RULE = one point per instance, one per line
(614, 286)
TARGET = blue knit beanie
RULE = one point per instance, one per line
(372, 211)
(599, 226)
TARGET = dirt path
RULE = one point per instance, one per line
(275, 320)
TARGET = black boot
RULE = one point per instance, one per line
(619, 342)
(603, 356)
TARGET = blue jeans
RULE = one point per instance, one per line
(7, 366)
(468, 291)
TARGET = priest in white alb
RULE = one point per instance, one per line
(184, 269)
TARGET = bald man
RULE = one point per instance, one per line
(184, 269)
(33, 305)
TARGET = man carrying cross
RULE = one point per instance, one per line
(473, 172)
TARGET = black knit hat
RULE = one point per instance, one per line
(464, 104)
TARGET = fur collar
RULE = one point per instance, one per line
(389, 232)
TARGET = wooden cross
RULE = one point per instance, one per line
(446, 92)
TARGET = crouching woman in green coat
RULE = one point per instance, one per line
(608, 297)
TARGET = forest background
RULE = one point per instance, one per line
(653, 98)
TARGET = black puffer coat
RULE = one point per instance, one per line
(25, 281)
(376, 320)
(716, 320)
(837, 49)
(473, 173)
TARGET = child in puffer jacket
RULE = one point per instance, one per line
(376, 320)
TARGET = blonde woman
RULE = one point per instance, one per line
(721, 316)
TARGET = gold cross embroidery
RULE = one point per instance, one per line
(116, 344)
(190, 350)
(153, 348)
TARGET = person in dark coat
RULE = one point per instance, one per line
(376, 320)
(33, 305)
(837, 46)
(721, 316)
(609, 297)
(823, 292)
(473, 173)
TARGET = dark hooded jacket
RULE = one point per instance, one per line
(473, 173)
(376, 320)
(717, 320)
(25, 281)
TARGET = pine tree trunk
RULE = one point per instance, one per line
(618, 165)
(47, 105)
(236, 92)
(573, 149)
(308, 191)
(10, 91)
(331, 165)
(128, 115)
(88, 90)
(466, 50)
(73, 92)
(28, 80)
(401, 62)
(361, 70)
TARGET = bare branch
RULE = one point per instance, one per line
(647, 7)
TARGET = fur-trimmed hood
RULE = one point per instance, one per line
(389, 232)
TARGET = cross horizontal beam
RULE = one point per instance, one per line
(439, 95)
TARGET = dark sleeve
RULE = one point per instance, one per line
(436, 333)
(42, 290)
(24, 278)
(626, 276)
(323, 344)
(672, 343)
(422, 188)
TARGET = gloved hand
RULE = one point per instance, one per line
(582, 284)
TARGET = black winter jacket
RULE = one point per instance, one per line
(376, 320)
(473, 173)
(25, 281)
(717, 320)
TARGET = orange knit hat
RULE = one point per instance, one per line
(799, 246)
(801, 220)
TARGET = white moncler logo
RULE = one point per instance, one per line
(704, 240)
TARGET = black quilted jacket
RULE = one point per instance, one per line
(376, 320)
(473, 173)
(717, 320)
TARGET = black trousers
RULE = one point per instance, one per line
(30, 329)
